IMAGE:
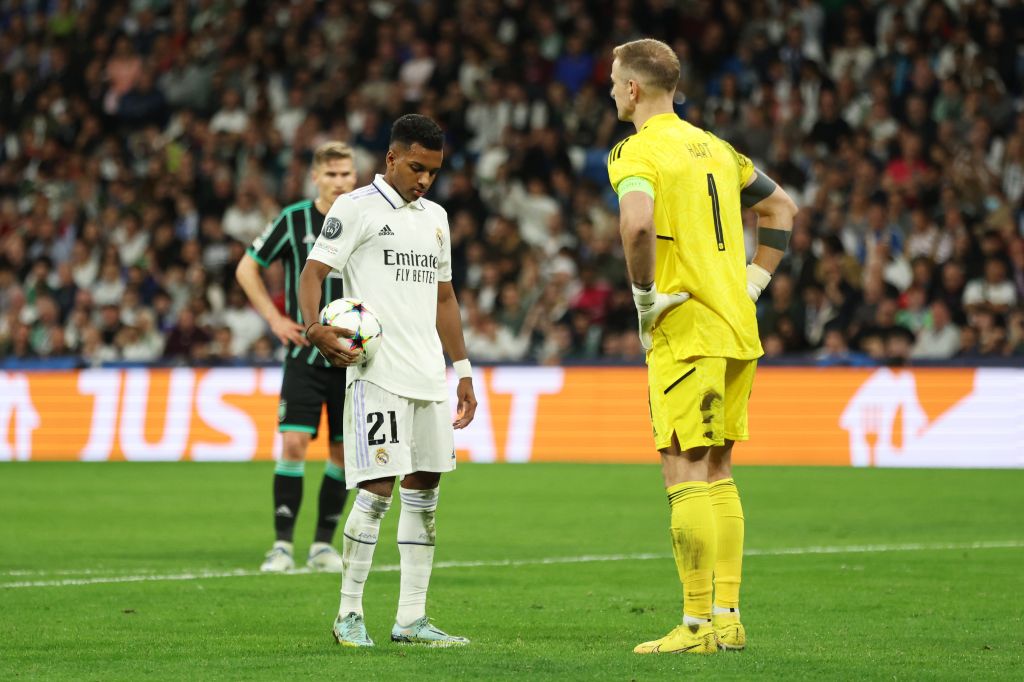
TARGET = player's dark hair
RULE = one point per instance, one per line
(417, 129)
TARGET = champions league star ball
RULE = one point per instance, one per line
(350, 313)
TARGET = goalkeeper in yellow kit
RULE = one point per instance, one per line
(680, 193)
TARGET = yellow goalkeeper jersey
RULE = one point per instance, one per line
(697, 180)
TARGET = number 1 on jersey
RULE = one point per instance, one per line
(716, 210)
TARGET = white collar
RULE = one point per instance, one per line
(392, 195)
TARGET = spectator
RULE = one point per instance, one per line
(85, 265)
(130, 238)
(221, 347)
(992, 334)
(913, 313)
(939, 338)
(489, 341)
(925, 239)
(1015, 340)
(244, 220)
(993, 291)
(262, 351)
(950, 290)
(836, 353)
(819, 313)
(899, 344)
(94, 351)
(783, 303)
(121, 170)
(245, 324)
(575, 66)
(231, 118)
(110, 288)
(140, 343)
(124, 68)
(1016, 253)
(186, 340)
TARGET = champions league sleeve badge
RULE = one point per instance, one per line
(332, 228)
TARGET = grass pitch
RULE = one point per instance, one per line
(125, 571)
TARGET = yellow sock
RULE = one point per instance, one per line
(693, 544)
(728, 512)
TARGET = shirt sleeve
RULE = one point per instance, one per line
(272, 243)
(444, 267)
(744, 165)
(628, 159)
(343, 232)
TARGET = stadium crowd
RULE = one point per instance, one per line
(145, 144)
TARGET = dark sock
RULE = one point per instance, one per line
(333, 494)
(287, 498)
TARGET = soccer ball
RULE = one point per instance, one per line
(350, 313)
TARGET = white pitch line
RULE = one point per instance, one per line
(75, 571)
(543, 561)
(904, 547)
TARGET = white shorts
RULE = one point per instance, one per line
(387, 435)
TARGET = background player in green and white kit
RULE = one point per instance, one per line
(310, 382)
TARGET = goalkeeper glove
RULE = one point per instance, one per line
(650, 306)
(757, 281)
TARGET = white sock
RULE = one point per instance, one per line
(416, 547)
(722, 609)
(693, 621)
(361, 530)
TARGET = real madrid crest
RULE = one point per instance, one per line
(381, 457)
(440, 237)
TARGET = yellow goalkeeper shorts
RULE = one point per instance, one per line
(703, 401)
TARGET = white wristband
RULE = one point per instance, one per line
(645, 298)
(463, 369)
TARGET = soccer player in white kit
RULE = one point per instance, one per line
(393, 249)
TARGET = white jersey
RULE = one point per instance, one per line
(392, 254)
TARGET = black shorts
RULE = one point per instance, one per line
(305, 389)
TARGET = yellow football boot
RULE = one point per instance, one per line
(684, 639)
(732, 636)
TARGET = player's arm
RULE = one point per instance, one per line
(325, 338)
(636, 227)
(775, 213)
(340, 236)
(251, 280)
(449, 329)
(265, 249)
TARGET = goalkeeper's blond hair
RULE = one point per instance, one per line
(652, 61)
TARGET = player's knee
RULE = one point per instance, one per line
(336, 453)
(294, 449)
(382, 487)
(675, 452)
(422, 480)
(720, 461)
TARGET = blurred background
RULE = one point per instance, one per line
(144, 144)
